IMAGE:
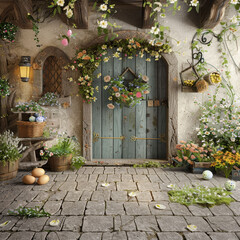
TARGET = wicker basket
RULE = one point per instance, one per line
(30, 129)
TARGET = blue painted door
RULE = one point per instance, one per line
(146, 123)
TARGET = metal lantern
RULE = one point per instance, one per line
(25, 65)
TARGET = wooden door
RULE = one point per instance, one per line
(148, 124)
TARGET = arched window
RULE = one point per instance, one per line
(49, 73)
(52, 76)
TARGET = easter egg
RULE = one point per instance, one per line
(28, 179)
(36, 115)
(207, 175)
(38, 172)
(32, 119)
(43, 180)
(230, 185)
(40, 119)
(69, 33)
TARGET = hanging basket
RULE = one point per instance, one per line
(8, 170)
(30, 129)
(213, 78)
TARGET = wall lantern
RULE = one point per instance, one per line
(25, 65)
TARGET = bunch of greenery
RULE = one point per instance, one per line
(226, 161)
(77, 162)
(10, 147)
(189, 152)
(127, 94)
(28, 106)
(4, 87)
(29, 212)
(200, 195)
(220, 124)
(152, 164)
(8, 31)
(49, 99)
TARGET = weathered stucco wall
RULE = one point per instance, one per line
(182, 28)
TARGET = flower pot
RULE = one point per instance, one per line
(199, 167)
(9, 170)
(60, 163)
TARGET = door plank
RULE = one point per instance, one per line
(141, 68)
(129, 117)
(107, 114)
(152, 121)
(162, 109)
(96, 112)
(117, 154)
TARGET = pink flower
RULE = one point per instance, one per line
(50, 154)
(107, 78)
(69, 33)
(110, 106)
(138, 94)
(192, 157)
(41, 153)
(64, 42)
(146, 92)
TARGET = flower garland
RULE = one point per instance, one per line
(87, 61)
(126, 94)
(8, 31)
(61, 5)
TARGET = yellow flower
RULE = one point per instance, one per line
(96, 64)
(99, 75)
(104, 47)
(116, 55)
(110, 98)
(106, 59)
(148, 60)
(119, 49)
(105, 87)
(70, 79)
(80, 64)
(97, 88)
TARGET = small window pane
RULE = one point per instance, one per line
(52, 76)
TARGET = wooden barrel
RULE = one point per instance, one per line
(9, 170)
(60, 163)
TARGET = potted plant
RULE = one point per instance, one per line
(10, 152)
(60, 154)
(193, 157)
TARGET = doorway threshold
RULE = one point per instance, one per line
(121, 162)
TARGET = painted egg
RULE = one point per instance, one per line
(207, 175)
(69, 33)
(40, 119)
(230, 185)
(32, 119)
(38, 172)
(28, 179)
(36, 115)
(43, 180)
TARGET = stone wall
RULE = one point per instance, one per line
(182, 28)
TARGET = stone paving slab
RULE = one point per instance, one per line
(87, 210)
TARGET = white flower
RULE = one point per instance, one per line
(103, 24)
(162, 15)
(154, 30)
(152, 42)
(117, 94)
(69, 13)
(60, 3)
(194, 3)
(234, 1)
(172, 1)
(103, 7)
(234, 19)
(159, 8)
(233, 139)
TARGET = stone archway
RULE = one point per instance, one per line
(172, 114)
(38, 67)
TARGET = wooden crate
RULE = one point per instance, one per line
(236, 174)
(199, 167)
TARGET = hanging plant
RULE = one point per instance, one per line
(4, 87)
(87, 61)
(35, 28)
(126, 94)
(8, 31)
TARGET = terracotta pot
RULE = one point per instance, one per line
(60, 163)
(9, 170)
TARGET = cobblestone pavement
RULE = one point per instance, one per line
(88, 211)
